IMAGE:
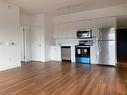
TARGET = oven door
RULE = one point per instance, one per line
(82, 51)
(83, 54)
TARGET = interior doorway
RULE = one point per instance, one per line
(122, 41)
(25, 43)
(122, 45)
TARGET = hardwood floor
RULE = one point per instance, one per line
(55, 78)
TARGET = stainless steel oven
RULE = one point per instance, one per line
(82, 54)
(82, 51)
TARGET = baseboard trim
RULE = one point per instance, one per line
(10, 67)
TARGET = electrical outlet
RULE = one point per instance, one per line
(10, 59)
(1, 43)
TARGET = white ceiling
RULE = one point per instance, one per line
(60, 7)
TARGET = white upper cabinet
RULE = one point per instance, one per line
(68, 30)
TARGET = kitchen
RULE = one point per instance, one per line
(63, 45)
(65, 34)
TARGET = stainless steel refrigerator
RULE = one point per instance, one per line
(107, 46)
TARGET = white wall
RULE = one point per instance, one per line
(122, 21)
(10, 56)
(25, 22)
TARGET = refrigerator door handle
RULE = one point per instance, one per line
(99, 44)
(98, 52)
(100, 35)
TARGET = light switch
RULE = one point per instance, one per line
(8, 43)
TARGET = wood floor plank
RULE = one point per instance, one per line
(62, 78)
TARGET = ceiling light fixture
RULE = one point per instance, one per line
(70, 7)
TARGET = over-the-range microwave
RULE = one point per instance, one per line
(84, 33)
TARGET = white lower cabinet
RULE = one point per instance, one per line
(55, 53)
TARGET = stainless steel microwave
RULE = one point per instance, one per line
(85, 33)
